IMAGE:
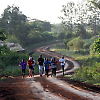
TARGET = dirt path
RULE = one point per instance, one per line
(42, 88)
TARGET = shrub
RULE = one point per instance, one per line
(86, 46)
(83, 52)
(68, 35)
(12, 39)
(76, 43)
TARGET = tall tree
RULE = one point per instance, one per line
(96, 3)
(12, 19)
(69, 14)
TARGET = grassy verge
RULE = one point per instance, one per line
(90, 69)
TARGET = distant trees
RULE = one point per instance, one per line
(27, 32)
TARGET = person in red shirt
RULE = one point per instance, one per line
(30, 64)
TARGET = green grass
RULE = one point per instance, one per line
(89, 72)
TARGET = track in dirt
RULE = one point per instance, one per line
(16, 88)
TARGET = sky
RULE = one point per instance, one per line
(45, 10)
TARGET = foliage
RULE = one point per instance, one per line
(81, 31)
(88, 74)
(76, 44)
(68, 35)
(8, 57)
(97, 46)
(96, 3)
(12, 39)
(17, 25)
(2, 34)
(82, 51)
(61, 35)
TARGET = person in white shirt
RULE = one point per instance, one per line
(62, 62)
(34, 63)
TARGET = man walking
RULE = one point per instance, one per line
(40, 63)
(62, 62)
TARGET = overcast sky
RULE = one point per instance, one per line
(45, 10)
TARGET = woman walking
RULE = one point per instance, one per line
(23, 67)
(30, 64)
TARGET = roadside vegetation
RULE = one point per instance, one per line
(89, 72)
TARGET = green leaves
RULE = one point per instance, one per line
(2, 34)
(97, 46)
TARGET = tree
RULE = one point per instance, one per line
(97, 46)
(69, 14)
(81, 31)
(96, 3)
(93, 17)
(12, 20)
(2, 34)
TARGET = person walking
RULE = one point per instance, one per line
(44, 66)
(62, 62)
(53, 67)
(30, 64)
(23, 67)
(47, 64)
(40, 63)
(34, 63)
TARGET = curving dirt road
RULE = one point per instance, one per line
(51, 88)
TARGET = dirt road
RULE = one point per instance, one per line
(51, 88)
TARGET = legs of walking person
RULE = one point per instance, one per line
(33, 72)
(47, 70)
(41, 70)
(52, 72)
(29, 72)
(55, 72)
(23, 73)
(63, 69)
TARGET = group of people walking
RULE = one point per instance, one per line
(48, 65)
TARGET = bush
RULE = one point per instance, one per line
(76, 43)
(83, 52)
(68, 35)
(88, 74)
(92, 51)
(86, 46)
(12, 39)
(8, 57)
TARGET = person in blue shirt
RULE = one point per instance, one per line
(47, 65)
(23, 67)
